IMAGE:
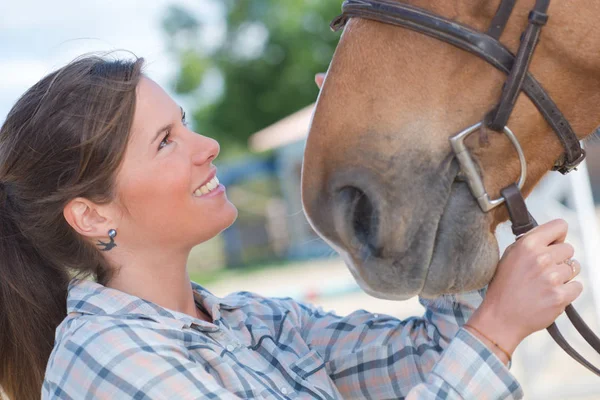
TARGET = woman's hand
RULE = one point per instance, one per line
(530, 289)
(319, 79)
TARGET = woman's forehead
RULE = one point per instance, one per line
(154, 107)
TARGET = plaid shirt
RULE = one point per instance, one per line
(116, 346)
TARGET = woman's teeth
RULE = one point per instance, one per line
(207, 188)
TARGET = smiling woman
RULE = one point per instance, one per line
(101, 178)
(87, 180)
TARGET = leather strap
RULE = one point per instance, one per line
(501, 18)
(477, 43)
(583, 328)
(512, 87)
(562, 342)
(523, 222)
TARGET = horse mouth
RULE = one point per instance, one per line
(399, 251)
(379, 269)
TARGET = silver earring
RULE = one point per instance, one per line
(108, 246)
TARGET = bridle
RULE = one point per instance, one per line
(488, 47)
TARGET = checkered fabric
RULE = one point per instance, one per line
(116, 346)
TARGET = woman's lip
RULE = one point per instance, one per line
(215, 192)
(210, 177)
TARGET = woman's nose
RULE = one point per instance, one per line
(206, 149)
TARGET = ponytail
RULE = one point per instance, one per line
(32, 304)
(64, 138)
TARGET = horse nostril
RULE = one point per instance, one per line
(361, 217)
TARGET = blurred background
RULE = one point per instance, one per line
(237, 67)
(244, 72)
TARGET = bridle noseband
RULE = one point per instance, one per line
(488, 47)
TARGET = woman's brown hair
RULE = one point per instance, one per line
(64, 138)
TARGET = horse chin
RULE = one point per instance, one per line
(462, 256)
(465, 251)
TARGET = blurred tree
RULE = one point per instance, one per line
(245, 64)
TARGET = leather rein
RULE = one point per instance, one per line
(488, 47)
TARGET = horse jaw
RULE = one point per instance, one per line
(465, 249)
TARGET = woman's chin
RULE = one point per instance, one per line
(225, 216)
(211, 222)
(232, 214)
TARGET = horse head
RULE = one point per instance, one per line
(380, 182)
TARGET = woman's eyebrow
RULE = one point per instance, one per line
(166, 127)
(161, 130)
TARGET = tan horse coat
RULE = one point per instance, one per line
(379, 180)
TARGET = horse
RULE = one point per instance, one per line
(381, 183)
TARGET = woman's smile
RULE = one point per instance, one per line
(211, 189)
(211, 186)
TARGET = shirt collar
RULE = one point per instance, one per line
(91, 298)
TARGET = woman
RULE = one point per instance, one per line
(100, 177)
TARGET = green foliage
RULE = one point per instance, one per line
(192, 69)
(263, 66)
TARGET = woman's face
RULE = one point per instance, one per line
(166, 181)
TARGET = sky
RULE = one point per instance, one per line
(39, 36)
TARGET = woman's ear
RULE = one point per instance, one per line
(87, 218)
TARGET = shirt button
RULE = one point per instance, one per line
(230, 348)
(284, 390)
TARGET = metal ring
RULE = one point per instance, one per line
(470, 170)
(571, 263)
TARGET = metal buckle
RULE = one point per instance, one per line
(471, 173)
(565, 167)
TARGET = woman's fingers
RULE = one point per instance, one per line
(319, 79)
(575, 267)
(552, 232)
(560, 252)
(538, 271)
(551, 256)
(566, 271)
(568, 292)
(557, 263)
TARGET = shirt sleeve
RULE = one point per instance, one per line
(378, 356)
(114, 361)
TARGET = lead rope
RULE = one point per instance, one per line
(523, 222)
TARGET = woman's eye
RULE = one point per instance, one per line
(164, 141)
(183, 120)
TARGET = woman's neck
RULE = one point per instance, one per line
(160, 279)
